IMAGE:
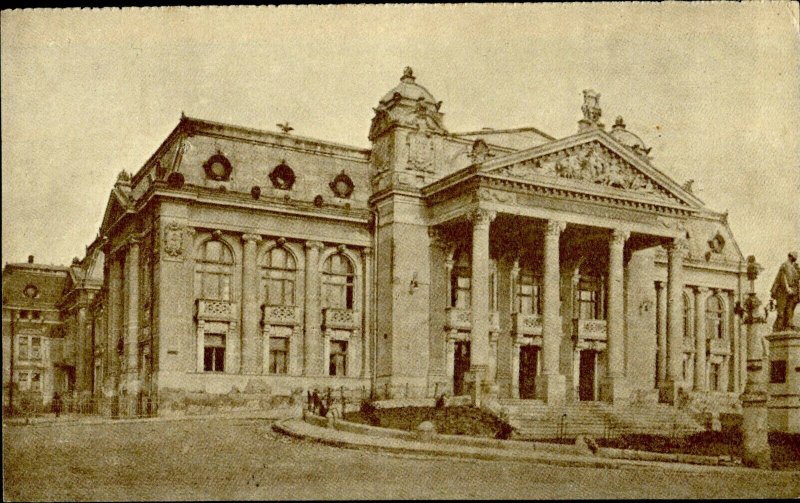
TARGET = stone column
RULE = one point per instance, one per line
(675, 251)
(733, 333)
(700, 374)
(252, 346)
(132, 336)
(82, 379)
(614, 388)
(313, 366)
(113, 333)
(551, 384)
(479, 341)
(661, 331)
(450, 355)
(367, 326)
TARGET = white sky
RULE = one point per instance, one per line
(713, 88)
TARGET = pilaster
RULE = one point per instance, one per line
(252, 341)
(313, 364)
(700, 343)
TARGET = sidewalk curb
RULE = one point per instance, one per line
(157, 419)
(376, 444)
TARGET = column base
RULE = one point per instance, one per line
(668, 392)
(551, 388)
(615, 390)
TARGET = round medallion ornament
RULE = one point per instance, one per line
(218, 167)
(31, 291)
(282, 177)
(342, 186)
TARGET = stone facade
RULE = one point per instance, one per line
(496, 263)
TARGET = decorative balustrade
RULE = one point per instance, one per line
(280, 315)
(215, 310)
(340, 318)
(591, 329)
(526, 324)
(458, 319)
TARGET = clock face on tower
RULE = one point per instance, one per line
(218, 167)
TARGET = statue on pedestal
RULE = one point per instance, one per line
(786, 292)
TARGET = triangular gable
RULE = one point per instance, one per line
(591, 161)
(116, 207)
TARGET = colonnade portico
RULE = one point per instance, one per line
(547, 331)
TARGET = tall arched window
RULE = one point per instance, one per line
(213, 271)
(338, 282)
(529, 290)
(278, 276)
(461, 281)
(687, 316)
(715, 318)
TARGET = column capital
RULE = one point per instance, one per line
(678, 246)
(133, 240)
(315, 244)
(366, 252)
(554, 227)
(482, 217)
(619, 236)
(251, 238)
(660, 285)
(699, 289)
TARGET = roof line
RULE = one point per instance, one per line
(508, 130)
(248, 129)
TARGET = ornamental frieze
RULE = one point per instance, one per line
(590, 162)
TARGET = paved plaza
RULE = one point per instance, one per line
(232, 459)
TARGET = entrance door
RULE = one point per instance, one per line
(528, 361)
(460, 366)
(586, 379)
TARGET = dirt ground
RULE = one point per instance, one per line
(214, 459)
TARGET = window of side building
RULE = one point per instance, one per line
(213, 271)
(529, 287)
(591, 305)
(338, 282)
(279, 276)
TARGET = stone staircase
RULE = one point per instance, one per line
(534, 419)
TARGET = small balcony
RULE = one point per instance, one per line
(526, 324)
(458, 319)
(214, 310)
(280, 315)
(596, 330)
(346, 319)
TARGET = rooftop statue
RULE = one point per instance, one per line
(786, 292)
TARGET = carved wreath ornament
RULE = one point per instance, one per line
(173, 239)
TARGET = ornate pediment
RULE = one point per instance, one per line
(592, 164)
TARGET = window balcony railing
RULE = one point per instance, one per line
(346, 319)
(280, 315)
(591, 329)
(461, 319)
(215, 310)
(526, 324)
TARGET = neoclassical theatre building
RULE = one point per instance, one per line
(495, 263)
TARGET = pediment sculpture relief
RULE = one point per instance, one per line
(590, 162)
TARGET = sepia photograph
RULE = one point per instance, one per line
(401, 251)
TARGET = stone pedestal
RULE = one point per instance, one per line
(668, 391)
(784, 386)
(755, 440)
